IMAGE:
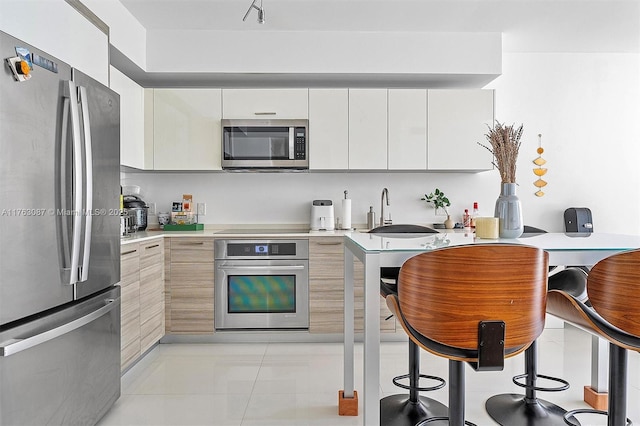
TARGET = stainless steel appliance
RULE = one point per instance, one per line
(60, 241)
(137, 210)
(265, 144)
(261, 284)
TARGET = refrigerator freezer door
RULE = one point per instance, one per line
(100, 254)
(63, 368)
(31, 260)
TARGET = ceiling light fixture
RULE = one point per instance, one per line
(259, 9)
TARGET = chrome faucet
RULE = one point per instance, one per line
(383, 220)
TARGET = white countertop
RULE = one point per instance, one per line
(219, 233)
(548, 241)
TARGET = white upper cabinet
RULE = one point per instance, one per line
(407, 129)
(57, 28)
(328, 129)
(265, 103)
(186, 129)
(457, 121)
(134, 150)
(368, 129)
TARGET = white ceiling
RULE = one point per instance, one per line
(526, 25)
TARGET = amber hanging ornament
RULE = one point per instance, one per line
(539, 171)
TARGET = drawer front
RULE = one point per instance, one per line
(326, 259)
(328, 246)
(129, 264)
(192, 250)
(151, 253)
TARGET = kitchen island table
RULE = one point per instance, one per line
(391, 250)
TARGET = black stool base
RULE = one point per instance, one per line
(512, 410)
(397, 410)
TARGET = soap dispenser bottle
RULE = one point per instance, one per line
(371, 218)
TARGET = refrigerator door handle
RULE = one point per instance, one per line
(88, 169)
(61, 202)
(14, 346)
(77, 182)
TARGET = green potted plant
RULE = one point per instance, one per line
(440, 201)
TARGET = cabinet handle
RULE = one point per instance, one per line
(198, 243)
(333, 243)
(128, 252)
(153, 246)
(265, 113)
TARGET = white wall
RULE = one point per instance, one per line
(332, 52)
(585, 105)
(126, 33)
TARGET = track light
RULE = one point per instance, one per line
(259, 9)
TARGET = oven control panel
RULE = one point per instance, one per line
(261, 249)
(251, 249)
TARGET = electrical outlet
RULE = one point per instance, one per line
(152, 208)
(202, 209)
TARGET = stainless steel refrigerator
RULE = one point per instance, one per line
(59, 241)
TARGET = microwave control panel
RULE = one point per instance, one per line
(301, 143)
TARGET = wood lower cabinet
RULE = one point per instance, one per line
(142, 298)
(130, 304)
(190, 287)
(326, 289)
(151, 293)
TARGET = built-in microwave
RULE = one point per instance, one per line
(265, 144)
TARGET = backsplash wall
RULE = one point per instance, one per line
(281, 198)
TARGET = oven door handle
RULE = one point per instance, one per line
(261, 268)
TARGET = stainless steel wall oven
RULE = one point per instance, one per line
(261, 284)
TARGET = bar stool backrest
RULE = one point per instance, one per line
(445, 293)
(613, 287)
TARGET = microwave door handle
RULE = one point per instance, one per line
(292, 141)
(88, 169)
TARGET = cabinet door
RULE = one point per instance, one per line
(151, 293)
(457, 121)
(186, 129)
(326, 289)
(326, 285)
(56, 27)
(265, 103)
(134, 149)
(368, 129)
(130, 304)
(329, 129)
(192, 281)
(407, 129)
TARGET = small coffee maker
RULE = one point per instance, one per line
(322, 215)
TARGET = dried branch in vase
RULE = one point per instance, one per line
(505, 144)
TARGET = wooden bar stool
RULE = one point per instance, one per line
(612, 313)
(477, 304)
(527, 409)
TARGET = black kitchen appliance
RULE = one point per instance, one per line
(578, 219)
(137, 211)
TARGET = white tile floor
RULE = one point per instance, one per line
(282, 384)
